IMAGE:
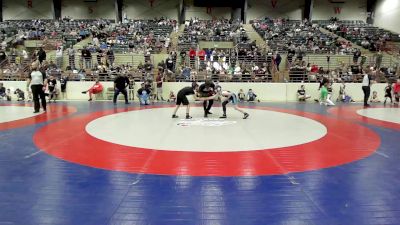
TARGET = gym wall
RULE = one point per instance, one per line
(270, 92)
(387, 14)
(350, 10)
(291, 9)
(78, 9)
(19, 10)
(142, 9)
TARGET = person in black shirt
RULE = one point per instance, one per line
(2, 90)
(41, 55)
(63, 83)
(388, 93)
(3, 56)
(207, 89)
(52, 82)
(120, 85)
(110, 57)
(181, 99)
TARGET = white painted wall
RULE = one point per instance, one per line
(78, 9)
(18, 10)
(201, 13)
(140, 9)
(291, 9)
(387, 15)
(351, 10)
(270, 92)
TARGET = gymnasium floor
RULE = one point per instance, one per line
(289, 163)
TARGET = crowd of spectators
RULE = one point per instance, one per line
(212, 30)
(361, 33)
(300, 37)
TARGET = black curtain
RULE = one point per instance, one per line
(57, 9)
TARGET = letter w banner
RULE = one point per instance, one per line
(29, 3)
(274, 3)
(338, 10)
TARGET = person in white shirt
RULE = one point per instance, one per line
(38, 84)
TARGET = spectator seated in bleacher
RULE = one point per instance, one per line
(97, 88)
(144, 94)
(301, 94)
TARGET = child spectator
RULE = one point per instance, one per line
(241, 95)
(343, 96)
(388, 93)
(172, 97)
(8, 94)
(95, 89)
(144, 94)
(2, 91)
(301, 94)
(20, 94)
(374, 98)
(251, 96)
(52, 82)
(63, 83)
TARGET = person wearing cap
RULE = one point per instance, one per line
(38, 83)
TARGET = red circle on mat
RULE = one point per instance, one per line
(53, 112)
(344, 142)
(351, 114)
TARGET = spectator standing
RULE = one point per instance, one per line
(278, 60)
(110, 57)
(396, 91)
(120, 85)
(63, 84)
(2, 91)
(38, 84)
(71, 58)
(356, 56)
(41, 55)
(159, 81)
(87, 58)
(378, 60)
(59, 57)
(3, 55)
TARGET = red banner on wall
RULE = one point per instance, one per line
(29, 3)
(337, 10)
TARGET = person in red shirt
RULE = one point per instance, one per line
(192, 55)
(396, 91)
(202, 55)
(95, 89)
